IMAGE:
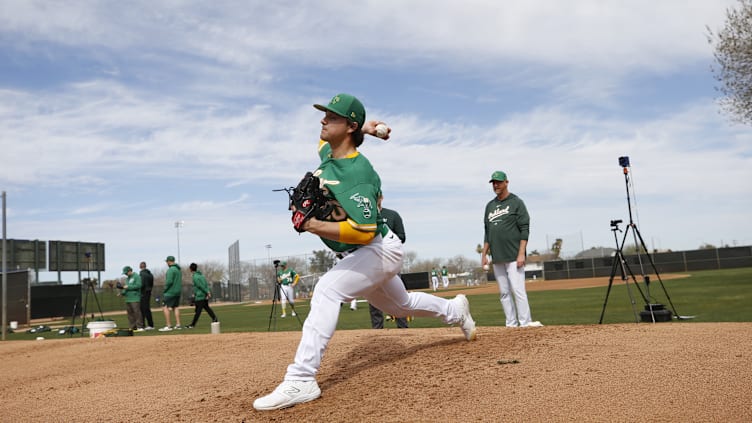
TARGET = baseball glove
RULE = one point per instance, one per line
(307, 200)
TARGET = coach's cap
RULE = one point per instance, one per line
(283, 263)
(498, 176)
(127, 269)
(346, 106)
(170, 258)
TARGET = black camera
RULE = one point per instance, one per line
(624, 161)
(615, 223)
(276, 263)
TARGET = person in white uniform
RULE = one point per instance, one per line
(372, 254)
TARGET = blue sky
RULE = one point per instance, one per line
(120, 118)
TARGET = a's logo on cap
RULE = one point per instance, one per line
(352, 115)
(335, 100)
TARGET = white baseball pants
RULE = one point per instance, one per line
(369, 272)
(287, 294)
(511, 280)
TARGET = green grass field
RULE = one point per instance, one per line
(709, 296)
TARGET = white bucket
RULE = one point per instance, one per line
(14, 325)
(95, 328)
(215, 327)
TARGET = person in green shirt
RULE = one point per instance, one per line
(132, 293)
(371, 253)
(287, 279)
(444, 277)
(171, 295)
(201, 296)
(506, 229)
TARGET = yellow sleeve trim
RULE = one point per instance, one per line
(352, 233)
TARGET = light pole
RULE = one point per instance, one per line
(179, 224)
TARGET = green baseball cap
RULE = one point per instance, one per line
(498, 176)
(346, 106)
(283, 263)
(127, 269)
(170, 258)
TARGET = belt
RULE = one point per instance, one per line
(344, 254)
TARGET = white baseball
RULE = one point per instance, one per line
(485, 267)
(382, 130)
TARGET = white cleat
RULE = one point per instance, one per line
(535, 324)
(467, 324)
(289, 393)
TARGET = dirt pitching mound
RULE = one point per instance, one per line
(627, 372)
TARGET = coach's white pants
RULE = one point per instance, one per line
(369, 272)
(511, 280)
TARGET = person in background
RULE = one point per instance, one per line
(444, 277)
(506, 229)
(171, 295)
(434, 278)
(147, 284)
(394, 221)
(201, 294)
(132, 293)
(287, 279)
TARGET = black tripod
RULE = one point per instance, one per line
(651, 307)
(278, 292)
(89, 287)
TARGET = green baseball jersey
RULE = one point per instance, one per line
(506, 222)
(444, 272)
(352, 185)
(434, 272)
(200, 286)
(393, 220)
(286, 277)
(132, 289)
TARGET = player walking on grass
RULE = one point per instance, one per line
(372, 254)
(201, 295)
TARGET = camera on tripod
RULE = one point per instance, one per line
(624, 161)
(615, 223)
(276, 263)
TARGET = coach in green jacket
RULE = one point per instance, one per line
(506, 225)
(201, 294)
(132, 293)
(171, 295)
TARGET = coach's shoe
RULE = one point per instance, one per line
(289, 393)
(467, 324)
(534, 324)
(165, 329)
(294, 314)
(283, 315)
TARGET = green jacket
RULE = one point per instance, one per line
(506, 222)
(132, 289)
(173, 281)
(200, 286)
